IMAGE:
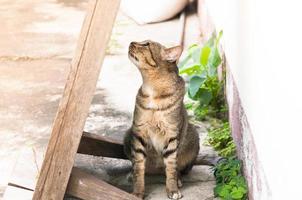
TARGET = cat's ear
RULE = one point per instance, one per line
(172, 54)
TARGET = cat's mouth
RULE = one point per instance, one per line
(131, 52)
(131, 55)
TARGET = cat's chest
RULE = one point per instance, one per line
(156, 131)
(157, 141)
(154, 127)
(153, 123)
(149, 100)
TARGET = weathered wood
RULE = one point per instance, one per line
(92, 144)
(74, 106)
(96, 145)
(86, 186)
(81, 184)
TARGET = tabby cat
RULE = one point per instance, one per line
(160, 139)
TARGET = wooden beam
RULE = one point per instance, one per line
(96, 145)
(86, 186)
(74, 106)
(81, 184)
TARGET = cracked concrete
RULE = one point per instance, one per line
(37, 42)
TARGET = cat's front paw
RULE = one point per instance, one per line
(174, 194)
(179, 183)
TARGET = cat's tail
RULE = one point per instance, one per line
(207, 159)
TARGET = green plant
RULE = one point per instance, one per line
(221, 140)
(230, 184)
(200, 65)
(206, 95)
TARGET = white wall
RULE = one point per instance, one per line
(262, 40)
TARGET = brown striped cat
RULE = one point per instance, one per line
(160, 139)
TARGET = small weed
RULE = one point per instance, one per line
(221, 140)
(230, 184)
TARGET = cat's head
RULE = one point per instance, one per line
(152, 56)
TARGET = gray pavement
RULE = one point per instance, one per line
(37, 42)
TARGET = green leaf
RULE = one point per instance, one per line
(194, 52)
(214, 59)
(192, 46)
(205, 96)
(236, 193)
(189, 106)
(194, 84)
(201, 112)
(218, 189)
(242, 189)
(204, 56)
(190, 70)
(225, 191)
(218, 38)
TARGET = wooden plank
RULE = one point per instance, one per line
(86, 186)
(96, 145)
(81, 184)
(92, 144)
(74, 106)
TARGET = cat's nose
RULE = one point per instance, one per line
(133, 43)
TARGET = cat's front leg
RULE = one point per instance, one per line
(170, 160)
(139, 177)
(138, 161)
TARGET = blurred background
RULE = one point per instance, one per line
(260, 52)
(37, 43)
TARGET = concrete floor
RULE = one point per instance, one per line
(37, 41)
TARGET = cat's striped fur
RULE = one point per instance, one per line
(160, 139)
